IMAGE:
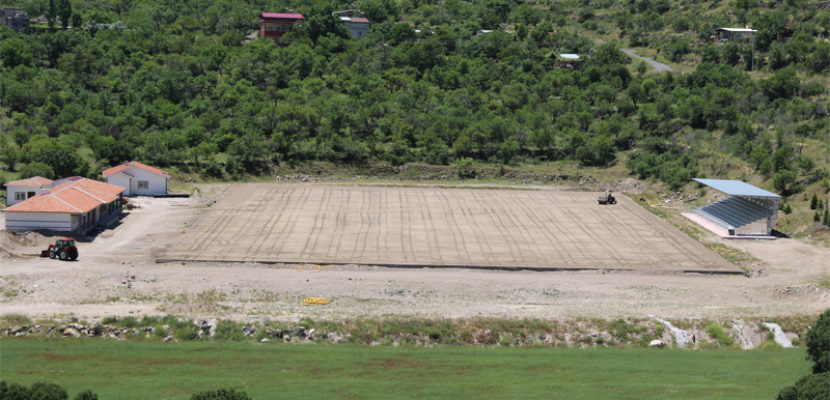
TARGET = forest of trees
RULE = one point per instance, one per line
(176, 84)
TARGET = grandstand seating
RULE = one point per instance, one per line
(733, 213)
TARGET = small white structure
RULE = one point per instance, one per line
(17, 191)
(734, 33)
(70, 205)
(138, 179)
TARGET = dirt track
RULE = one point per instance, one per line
(116, 275)
(395, 226)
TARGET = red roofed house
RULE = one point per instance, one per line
(71, 204)
(17, 191)
(138, 179)
(274, 25)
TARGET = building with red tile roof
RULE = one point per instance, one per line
(138, 179)
(73, 204)
(274, 25)
(17, 191)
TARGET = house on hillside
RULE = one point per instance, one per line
(355, 22)
(15, 18)
(734, 33)
(358, 26)
(138, 179)
(568, 60)
(274, 25)
(73, 204)
(17, 191)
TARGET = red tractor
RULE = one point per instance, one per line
(63, 248)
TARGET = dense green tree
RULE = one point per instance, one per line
(818, 344)
(64, 12)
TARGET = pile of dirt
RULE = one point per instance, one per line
(19, 243)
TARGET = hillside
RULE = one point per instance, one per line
(178, 85)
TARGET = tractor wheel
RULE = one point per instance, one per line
(52, 255)
(63, 255)
(73, 256)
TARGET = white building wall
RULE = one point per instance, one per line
(26, 221)
(122, 180)
(157, 184)
(11, 190)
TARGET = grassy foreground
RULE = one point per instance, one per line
(142, 370)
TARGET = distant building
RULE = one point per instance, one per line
(358, 26)
(17, 191)
(274, 25)
(734, 33)
(138, 179)
(15, 18)
(72, 204)
(355, 21)
(567, 60)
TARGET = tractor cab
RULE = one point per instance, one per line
(64, 248)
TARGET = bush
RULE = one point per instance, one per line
(810, 387)
(13, 391)
(86, 395)
(221, 394)
(47, 391)
(717, 333)
(818, 344)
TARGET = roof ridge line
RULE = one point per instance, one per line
(91, 195)
(67, 203)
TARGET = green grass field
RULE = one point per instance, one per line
(142, 370)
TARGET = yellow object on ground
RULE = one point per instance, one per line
(315, 301)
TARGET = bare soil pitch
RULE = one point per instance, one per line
(415, 227)
(116, 274)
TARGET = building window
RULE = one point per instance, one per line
(19, 196)
(143, 184)
(30, 194)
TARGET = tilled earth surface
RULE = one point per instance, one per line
(116, 274)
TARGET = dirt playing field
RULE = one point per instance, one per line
(116, 274)
(395, 226)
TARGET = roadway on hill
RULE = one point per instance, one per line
(658, 66)
(417, 227)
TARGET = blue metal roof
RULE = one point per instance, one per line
(736, 188)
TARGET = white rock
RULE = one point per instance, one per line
(71, 332)
(657, 344)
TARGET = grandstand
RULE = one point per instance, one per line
(748, 212)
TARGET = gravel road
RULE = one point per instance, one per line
(658, 66)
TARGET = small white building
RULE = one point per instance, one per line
(17, 191)
(138, 179)
(734, 33)
(70, 205)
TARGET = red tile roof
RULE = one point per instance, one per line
(33, 181)
(74, 195)
(136, 164)
(281, 15)
(359, 20)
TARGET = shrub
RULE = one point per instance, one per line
(86, 395)
(717, 333)
(818, 344)
(47, 391)
(13, 391)
(810, 387)
(221, 394)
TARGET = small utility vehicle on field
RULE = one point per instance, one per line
(608, 198)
